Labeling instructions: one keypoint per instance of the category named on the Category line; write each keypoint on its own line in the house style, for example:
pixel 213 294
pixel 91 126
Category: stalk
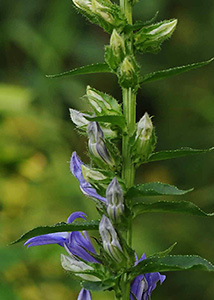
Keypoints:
pixel 128 171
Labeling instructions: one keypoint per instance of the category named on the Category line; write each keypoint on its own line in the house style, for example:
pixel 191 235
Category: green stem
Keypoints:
pixel 128 170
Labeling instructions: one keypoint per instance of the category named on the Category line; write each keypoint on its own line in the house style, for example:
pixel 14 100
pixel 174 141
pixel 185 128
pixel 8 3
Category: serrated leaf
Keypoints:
pixel 169 154
pixel 184 207
pixel 90 69
pixel 114 120
pixel 172 263
pixel 59 227
pixel 165 252
pixel 154 189
pixel 159 75
pixel 97 286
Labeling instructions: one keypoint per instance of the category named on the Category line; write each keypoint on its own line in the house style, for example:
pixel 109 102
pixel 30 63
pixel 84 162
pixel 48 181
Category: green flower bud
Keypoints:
pixel 102 11
pixel 128 72
pixel 102 103
pixel 115 53
pixel 117 44
pixel 150 38
pixel 145 139
pixel 84 5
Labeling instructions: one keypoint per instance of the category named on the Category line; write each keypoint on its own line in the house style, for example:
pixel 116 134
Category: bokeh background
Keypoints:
pixel 37 138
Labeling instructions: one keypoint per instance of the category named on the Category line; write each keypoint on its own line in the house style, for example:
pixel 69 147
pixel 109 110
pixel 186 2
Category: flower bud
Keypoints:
pixel 70 263
pixel 115 53
pixel 150 38
pixel 110 239
pixel 84 5
pixel 102 103
pixel 145 137
pixel 114 196
pixel 78 118
pixel 96 143
pixel 102 11
pixel 117 44
pixel 128 72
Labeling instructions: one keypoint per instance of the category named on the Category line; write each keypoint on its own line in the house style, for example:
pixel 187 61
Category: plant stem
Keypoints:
pixel 128 170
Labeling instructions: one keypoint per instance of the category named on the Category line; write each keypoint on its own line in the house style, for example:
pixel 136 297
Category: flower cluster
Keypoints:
pixel 82 260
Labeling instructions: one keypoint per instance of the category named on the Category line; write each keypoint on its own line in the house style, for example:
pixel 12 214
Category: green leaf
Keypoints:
pixel 97 286
pixel 114 120
pixel 169 154
pixel 165 252
pixel 139 24
pixel 154 189
pixel 159 75
pixel 59 227
pixel 184 207
pixel 94 68
pixel 172 263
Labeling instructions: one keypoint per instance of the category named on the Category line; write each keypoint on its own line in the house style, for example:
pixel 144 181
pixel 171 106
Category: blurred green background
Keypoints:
pixel 37 139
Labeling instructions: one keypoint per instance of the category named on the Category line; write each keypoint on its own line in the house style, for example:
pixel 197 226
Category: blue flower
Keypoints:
pixel 143 285
pixel 86 187
pixel 75 242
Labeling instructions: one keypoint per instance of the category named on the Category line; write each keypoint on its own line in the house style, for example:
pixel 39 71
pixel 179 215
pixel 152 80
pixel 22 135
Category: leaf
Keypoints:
pixel 159 75
pixel 94 68
pixel 169 154
pixel 59 227
pixel 114 120
pixel 184 207
pixel 139 24
pixel 97 286
pixel 172 263
pixel 165 252
pixel 154 189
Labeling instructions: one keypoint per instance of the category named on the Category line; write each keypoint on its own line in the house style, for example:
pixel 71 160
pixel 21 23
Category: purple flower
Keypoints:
pixel 84 295
pixel 75 242
pixel 86 187
pixel 143 285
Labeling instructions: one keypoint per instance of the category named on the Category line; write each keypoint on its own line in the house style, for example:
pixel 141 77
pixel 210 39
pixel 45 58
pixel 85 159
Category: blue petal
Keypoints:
pixel 84 295
pixel 51 238
pixel 76 215
pixel 77 243
pixel 151 278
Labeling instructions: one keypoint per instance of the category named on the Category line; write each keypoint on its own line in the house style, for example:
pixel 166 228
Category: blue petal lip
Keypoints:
pixel 86 187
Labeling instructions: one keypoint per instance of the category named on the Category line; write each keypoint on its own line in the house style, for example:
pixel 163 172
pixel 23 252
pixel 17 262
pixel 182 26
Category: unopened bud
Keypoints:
pixel 78 118
pixel 97 145
pixel 110 240
pixel 150 38
pixel 145 136
pixel 72 264
pixel 114 196
pixel 128 72
pixel 102 103
pixel 117 44
pixel 84 5
pixel 102 11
